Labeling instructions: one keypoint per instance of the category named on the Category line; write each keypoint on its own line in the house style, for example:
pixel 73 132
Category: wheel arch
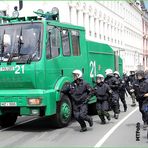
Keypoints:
pixel 59 85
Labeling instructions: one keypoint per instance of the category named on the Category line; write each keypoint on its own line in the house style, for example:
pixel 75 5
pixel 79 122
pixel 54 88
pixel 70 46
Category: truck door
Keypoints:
pixel 71 52
pixel 64 53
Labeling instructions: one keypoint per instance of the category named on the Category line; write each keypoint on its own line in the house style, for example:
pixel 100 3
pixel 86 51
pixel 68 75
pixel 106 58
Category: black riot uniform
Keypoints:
pixel 130 81
pixel 79 92
pixel 114 100
pixel 146 74
pixel 102 92
pixel 141 89
pixel 122 91
pixel 126 80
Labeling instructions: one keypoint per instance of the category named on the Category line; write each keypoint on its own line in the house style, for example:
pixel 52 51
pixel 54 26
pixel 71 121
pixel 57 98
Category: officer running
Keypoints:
pixel 79 92
pixel 146 74
pixel 141 92
pixel 102 92
pixel 114 85
pixel 131 80
pixel 122 90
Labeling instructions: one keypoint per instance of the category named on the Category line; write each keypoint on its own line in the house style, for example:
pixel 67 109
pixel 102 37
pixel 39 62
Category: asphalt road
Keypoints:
pixel 36 132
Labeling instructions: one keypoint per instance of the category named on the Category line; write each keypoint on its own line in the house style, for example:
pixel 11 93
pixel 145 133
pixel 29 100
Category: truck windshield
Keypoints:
pixel 20 42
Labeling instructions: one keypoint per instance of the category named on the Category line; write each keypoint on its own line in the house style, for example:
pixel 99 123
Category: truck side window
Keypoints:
pixel 75 42
pixel 53 44
pixel 65 42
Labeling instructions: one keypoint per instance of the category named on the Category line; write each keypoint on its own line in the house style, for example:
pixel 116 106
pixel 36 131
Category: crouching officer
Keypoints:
pixel 141 92
pixel 79 92
pixel 102 92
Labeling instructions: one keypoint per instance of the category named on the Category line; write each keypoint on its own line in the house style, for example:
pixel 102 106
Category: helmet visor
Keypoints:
pixel 100 79
pixel 116 75
pixel 139 76
pixel 75 76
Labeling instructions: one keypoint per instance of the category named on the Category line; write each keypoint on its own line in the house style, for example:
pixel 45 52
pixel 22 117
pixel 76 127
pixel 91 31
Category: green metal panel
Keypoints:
pixel 25 111
pixel 120 66
pixel 100 57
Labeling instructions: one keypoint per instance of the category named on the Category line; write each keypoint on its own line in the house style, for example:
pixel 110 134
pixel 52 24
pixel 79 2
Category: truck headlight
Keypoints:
pixel 34 101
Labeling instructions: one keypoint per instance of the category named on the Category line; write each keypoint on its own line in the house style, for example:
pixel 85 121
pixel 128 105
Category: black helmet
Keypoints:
pixel 132 72
pixel 140 73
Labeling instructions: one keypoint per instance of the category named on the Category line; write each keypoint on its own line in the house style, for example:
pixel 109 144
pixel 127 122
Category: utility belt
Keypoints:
pixel 102 98
pixel 79 97
pixel 79 101
pixel 144 107
pixel 114 102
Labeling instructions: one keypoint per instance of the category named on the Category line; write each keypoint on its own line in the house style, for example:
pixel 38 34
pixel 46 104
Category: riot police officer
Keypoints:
pixel 114 85
pixel 79 91
pixel 146 74
pixel 102 92
pixel 141 92
pixel 130 89
pixel 122 90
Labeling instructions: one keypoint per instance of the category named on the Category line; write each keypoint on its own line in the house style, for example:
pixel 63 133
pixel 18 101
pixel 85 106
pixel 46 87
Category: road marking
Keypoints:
pixel 18 124
pixel 106 136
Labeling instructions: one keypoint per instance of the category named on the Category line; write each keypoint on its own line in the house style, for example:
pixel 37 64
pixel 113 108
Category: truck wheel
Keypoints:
pixel 64 112
pixel 7 120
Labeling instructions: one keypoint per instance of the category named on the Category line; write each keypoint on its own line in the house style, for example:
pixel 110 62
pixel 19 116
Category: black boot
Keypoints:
pixel 90 122
pixel 102 119
pixel 133 104
pixel 83 129
pixel 145 125
pixel 107 115
pixel 125 108
pixel 116 116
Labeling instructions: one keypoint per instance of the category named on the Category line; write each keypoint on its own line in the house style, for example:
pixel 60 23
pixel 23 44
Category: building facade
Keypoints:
pixel 117 23
pixel 145 36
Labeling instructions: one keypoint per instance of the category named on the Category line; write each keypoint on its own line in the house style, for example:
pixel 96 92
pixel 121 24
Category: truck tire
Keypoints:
pixel 7 120
pixel 64 113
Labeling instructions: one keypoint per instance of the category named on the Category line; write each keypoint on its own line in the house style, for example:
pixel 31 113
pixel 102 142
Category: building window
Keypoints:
pixel 53 44
pixel 65 42
pixel 90 25
pixel 95 33
pixel 75 42
pixel 70 14
pixel 77 16
pixel 84 15
pixel 104 30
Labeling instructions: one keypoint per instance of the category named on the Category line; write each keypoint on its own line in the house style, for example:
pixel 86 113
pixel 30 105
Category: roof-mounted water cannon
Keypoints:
pixel 53 15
